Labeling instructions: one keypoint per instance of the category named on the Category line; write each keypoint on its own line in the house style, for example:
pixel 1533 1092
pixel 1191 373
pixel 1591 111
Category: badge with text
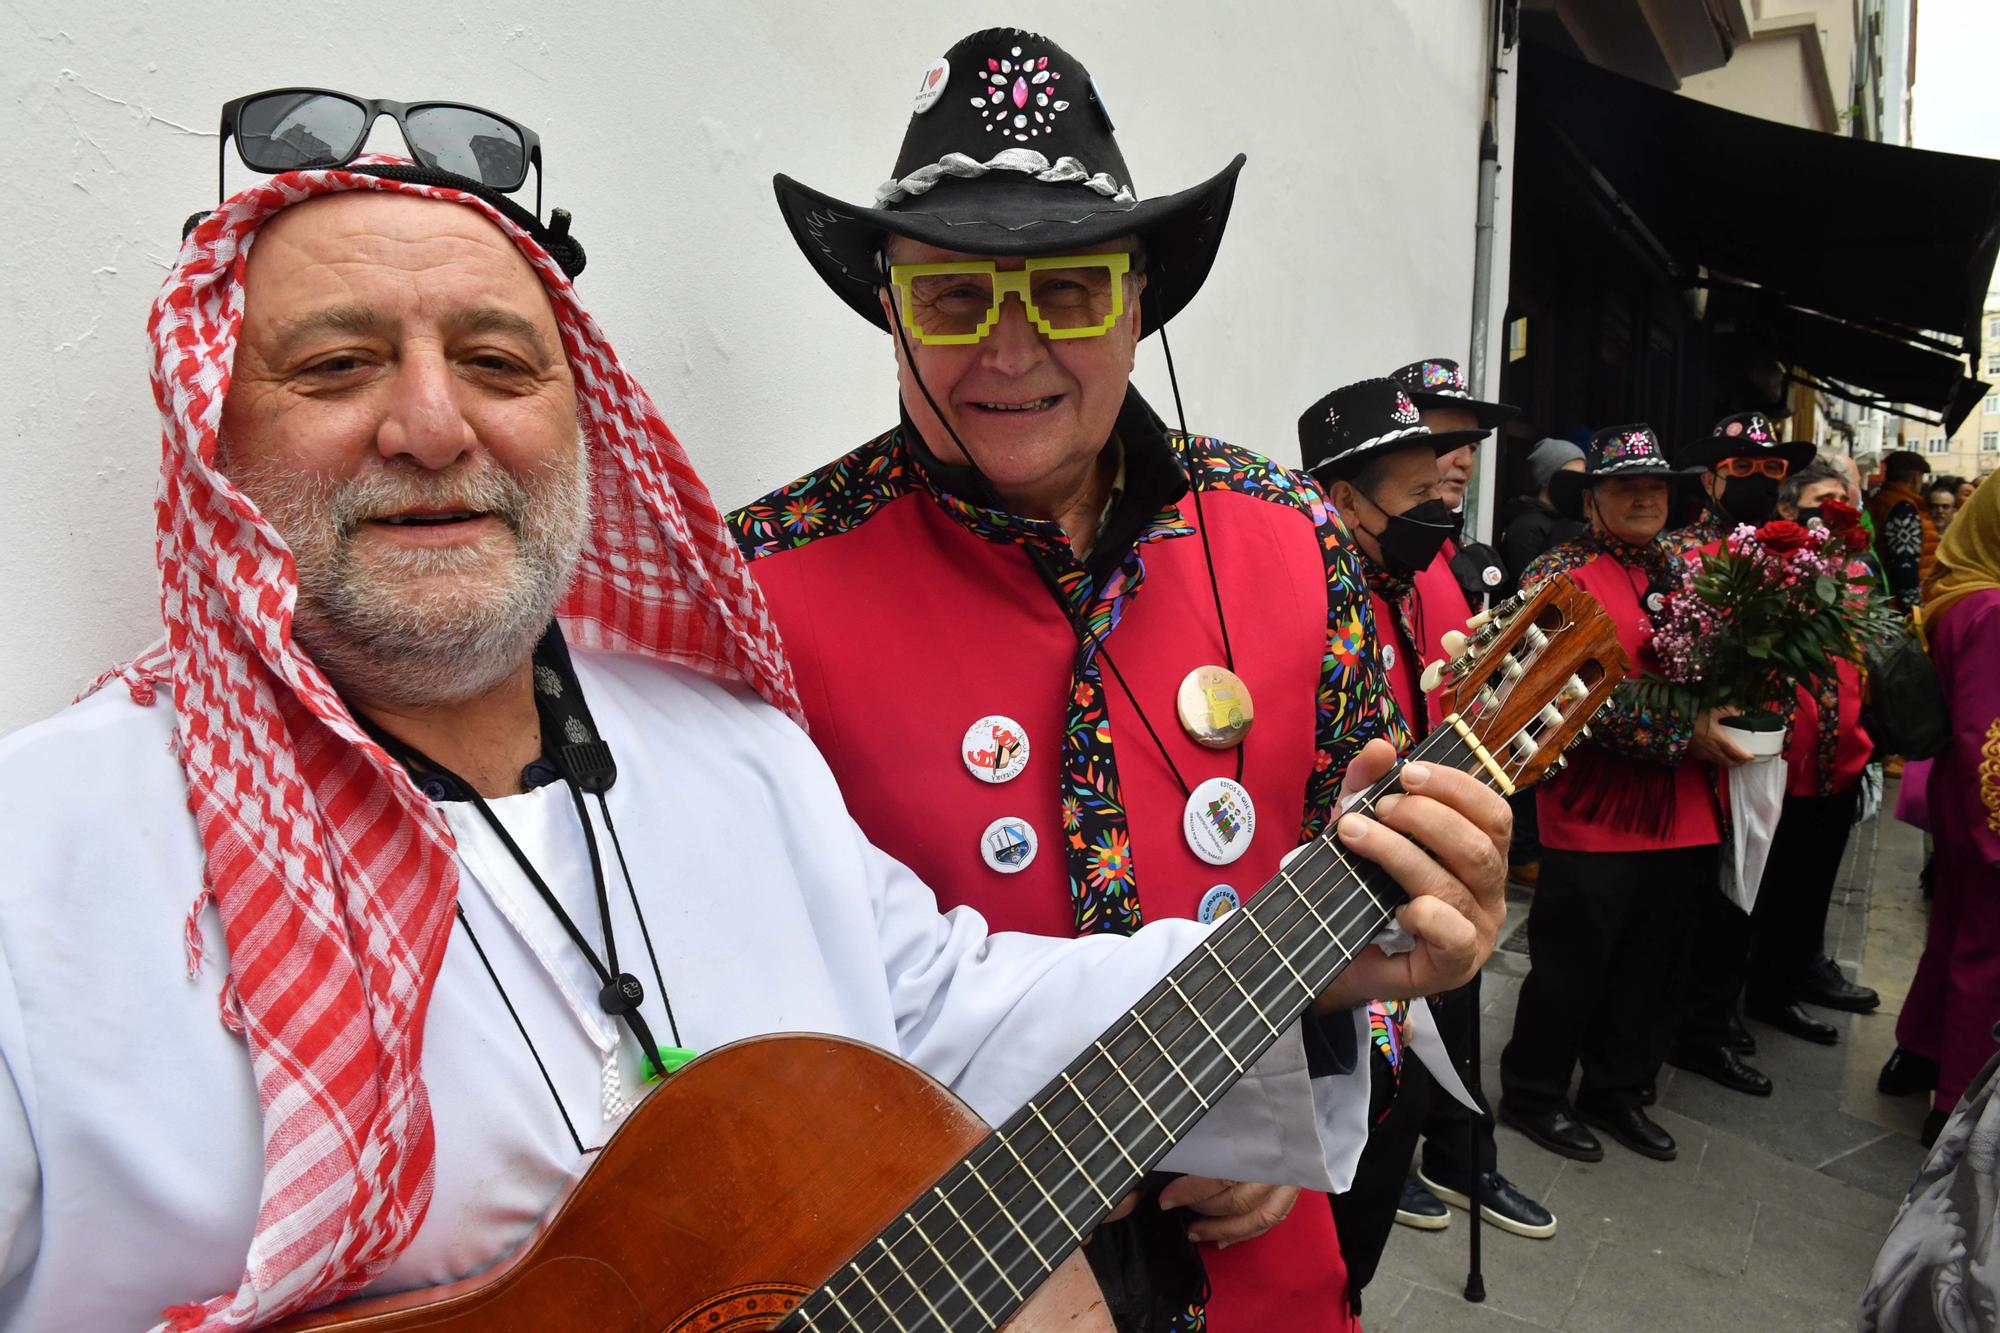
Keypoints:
pixel 995 748
pixel 932 86
pixel 1009 844
pixel 1214 707
pixel 1217 903
pixel 1219 821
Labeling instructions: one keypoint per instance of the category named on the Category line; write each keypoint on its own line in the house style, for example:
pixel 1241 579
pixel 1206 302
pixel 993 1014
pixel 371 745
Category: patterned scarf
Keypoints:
pixel 323 860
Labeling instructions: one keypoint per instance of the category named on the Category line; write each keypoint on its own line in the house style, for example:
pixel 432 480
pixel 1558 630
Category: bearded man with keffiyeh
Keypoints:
pixel 299 981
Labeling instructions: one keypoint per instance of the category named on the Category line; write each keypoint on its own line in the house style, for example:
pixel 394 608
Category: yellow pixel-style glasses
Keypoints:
pixel 958 301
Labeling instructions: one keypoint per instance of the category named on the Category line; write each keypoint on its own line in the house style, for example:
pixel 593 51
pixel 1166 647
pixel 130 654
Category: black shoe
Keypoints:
pixel 1556 1130
pixel 1633 1128
pixel 1906 1074
pixel 1737 1037
pixel 1790 1018
pixel 1649 1092
pixel 1723 1065
pixel 1933 1126
pixel 1825 984
pixel 1421 1209
pixel 1499 1203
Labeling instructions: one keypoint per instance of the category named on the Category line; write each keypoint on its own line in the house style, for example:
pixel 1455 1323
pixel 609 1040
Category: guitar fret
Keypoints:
pixel 945 1264
pixel 887 1308
pixel 1157 1045
pixel 1286 876
pixel 1304 985
pixel 1063 1144
pixel 1119 1070
pixel 1110 1138
pixel 1033 1249
pixel 952 1208
pixel 1036 1180
pixel 1248 998
pixel 917 1286
pixel 1200 1018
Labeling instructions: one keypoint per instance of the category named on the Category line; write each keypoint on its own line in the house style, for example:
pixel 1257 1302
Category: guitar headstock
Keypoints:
pixel 1527 681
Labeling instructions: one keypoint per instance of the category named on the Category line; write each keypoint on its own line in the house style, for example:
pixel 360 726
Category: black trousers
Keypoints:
pixel 1789 924
pixel 1606 938
pixel 1454 1138
pixel 1718 960
pixel 1364 1213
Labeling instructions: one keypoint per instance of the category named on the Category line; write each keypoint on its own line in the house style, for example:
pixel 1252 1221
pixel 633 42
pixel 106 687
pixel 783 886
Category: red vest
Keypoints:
pixel 1436 604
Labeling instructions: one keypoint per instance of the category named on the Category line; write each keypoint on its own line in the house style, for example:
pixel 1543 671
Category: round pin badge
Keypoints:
pixel 1388 657
pixel 1009 844
pixel 1214 707
pixel 1491 576
pixel 1217 903
pixel 995 748
pixel 932 86
pixel 1220 820
pixel 1656 602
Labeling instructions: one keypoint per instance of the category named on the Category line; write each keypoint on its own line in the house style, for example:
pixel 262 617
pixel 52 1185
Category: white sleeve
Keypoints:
pixel 997 1015
pixel 20 1168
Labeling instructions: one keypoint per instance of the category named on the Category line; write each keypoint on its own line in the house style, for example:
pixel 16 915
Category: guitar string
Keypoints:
pixel 1291 916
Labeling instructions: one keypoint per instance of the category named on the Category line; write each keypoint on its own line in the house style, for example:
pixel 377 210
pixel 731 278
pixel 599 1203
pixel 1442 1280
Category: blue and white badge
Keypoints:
pixel 1217 903
pixel 1009 844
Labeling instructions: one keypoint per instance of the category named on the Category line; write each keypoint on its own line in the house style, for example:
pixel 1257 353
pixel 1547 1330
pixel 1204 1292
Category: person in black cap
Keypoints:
pixel 1630 836
pixel 1438 387
pixel 1076 669
pixel 1367 446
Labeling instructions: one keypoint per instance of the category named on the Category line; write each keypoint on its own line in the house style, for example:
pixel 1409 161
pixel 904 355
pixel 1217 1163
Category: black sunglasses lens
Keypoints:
pixel 287 131
pixel 467 143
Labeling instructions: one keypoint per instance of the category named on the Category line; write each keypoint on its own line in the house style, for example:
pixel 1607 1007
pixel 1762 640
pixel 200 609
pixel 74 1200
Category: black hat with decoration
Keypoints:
pixel 1748 435
pixel 1615 451
pixel 1440 382
pixel 1010 152
pixel 1342 432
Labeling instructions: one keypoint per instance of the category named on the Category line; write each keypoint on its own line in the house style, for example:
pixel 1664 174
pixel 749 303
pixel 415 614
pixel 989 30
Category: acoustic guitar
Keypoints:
pixel 811 1184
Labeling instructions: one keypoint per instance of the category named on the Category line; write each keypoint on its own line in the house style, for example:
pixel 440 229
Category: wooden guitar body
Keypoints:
pixel 734 1189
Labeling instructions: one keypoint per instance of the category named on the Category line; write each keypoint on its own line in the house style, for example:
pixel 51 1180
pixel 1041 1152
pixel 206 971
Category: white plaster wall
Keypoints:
pixel 1350 250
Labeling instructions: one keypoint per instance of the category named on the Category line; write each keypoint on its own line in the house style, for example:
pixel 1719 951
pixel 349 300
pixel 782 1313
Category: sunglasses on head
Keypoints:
pixel 1774 468
pixel 291 129
pixel 958 301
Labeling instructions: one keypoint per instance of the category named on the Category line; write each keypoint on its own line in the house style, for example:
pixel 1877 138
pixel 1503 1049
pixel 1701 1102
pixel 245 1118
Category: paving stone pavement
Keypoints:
pixel 1773 1213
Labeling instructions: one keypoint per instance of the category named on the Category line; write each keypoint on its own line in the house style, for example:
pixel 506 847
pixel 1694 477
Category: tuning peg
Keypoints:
pixel 1584 734
pixel 1453 642
pixel 1480 618
pixel 1433 676
pixel 1558 764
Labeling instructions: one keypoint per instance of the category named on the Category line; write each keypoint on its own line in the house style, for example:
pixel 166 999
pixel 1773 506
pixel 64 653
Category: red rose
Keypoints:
pixel 1839 515
pixel 1782 537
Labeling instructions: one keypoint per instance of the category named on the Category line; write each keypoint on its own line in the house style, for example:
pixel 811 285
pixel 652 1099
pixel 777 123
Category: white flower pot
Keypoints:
pixel 1760 743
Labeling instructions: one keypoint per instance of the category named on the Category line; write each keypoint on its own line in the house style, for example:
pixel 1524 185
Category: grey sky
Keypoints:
pixel 1956 104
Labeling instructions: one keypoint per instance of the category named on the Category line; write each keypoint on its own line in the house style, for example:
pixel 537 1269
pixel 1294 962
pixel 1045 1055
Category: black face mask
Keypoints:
pixel 1749 499
pixel 1411 540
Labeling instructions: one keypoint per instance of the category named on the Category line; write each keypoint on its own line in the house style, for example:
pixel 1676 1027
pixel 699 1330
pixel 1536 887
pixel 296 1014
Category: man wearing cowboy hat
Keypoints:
pixel 1367 446
pixel 1629 836
pixel 1438 387
pixel 1073 668
pixel 1743 466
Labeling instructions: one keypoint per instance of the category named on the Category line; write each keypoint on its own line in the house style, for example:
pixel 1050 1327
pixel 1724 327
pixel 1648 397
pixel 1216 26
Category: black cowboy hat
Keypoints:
pixel 1748 435
pixel 1343 430
pixel 1615 451
pixel 1439 382
pixel 1010 152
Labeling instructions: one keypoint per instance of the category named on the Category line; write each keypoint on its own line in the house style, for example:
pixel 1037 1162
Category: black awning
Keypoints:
pixel 1904 241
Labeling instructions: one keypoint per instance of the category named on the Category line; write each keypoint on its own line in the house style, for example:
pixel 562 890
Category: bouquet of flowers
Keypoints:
pixel 1778 607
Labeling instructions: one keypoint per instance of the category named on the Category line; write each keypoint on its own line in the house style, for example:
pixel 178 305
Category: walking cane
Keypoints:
pixel 1475 1281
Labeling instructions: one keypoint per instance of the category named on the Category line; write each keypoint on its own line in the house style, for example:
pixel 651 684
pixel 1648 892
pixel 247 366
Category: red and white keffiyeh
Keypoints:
pixel 334 877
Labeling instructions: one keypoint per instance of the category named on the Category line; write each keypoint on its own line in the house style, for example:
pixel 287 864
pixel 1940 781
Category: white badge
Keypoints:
pixel 1217 903
pixel 1388 657
pixel 1009 844
pixel 932 87
pixel 995 748
pixel 1219 821
pixel 1491 576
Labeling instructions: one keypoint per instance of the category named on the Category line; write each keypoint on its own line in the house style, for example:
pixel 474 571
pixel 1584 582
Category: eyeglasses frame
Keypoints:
pixel 374 108
pixel 1015 280
pixel 1753 466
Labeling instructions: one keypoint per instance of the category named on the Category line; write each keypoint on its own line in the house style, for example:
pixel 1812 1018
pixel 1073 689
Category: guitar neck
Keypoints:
pixel 970 1250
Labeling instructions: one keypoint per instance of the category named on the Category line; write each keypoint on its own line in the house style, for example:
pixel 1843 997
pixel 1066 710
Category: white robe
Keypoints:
pixel 130 1144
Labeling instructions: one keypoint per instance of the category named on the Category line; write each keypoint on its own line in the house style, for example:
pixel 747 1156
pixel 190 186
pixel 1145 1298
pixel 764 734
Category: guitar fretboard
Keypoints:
pixel 970 1250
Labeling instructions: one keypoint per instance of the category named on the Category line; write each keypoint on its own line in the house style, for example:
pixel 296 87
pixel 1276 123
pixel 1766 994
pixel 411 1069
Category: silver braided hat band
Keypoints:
pixel 1062 171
